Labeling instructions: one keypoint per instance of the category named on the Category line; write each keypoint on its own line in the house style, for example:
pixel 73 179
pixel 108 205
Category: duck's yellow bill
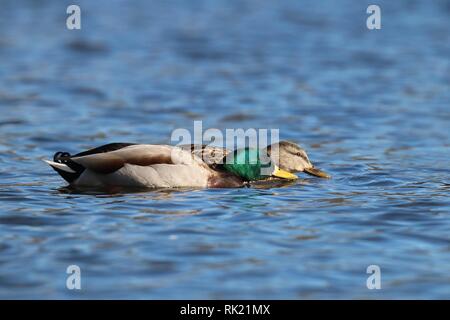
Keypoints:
pixel 283 174
pixel 316 172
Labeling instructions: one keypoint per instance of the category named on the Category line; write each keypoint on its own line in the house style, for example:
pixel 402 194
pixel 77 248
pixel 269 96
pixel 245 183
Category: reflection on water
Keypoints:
pixel 370 107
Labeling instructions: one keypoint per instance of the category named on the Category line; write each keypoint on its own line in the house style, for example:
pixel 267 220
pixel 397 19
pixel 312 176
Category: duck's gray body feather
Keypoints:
pixel 141 165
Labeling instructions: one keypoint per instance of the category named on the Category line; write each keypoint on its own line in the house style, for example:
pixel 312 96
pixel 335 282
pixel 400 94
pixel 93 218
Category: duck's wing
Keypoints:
pixel 211 155
pixel 105 148
pixel 139 155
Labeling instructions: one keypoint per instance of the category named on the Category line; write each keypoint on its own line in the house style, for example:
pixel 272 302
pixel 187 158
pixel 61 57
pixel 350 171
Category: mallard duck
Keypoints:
pixel 159 166
pixel 289 156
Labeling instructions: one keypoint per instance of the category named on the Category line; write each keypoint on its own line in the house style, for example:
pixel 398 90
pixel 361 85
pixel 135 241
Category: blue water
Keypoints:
pixel 371 107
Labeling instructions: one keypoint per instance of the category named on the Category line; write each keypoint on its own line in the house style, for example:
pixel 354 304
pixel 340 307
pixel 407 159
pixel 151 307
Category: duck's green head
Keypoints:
pixel 247 163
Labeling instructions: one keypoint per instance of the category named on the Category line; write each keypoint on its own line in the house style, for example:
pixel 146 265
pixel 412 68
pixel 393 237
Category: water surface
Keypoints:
pixel 370 107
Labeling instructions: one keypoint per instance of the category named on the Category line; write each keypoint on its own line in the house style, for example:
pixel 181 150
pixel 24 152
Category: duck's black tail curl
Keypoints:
pixel 61 157
pixel 64 158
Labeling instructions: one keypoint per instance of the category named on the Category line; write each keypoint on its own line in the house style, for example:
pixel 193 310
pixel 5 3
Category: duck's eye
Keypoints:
pixel 299 154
